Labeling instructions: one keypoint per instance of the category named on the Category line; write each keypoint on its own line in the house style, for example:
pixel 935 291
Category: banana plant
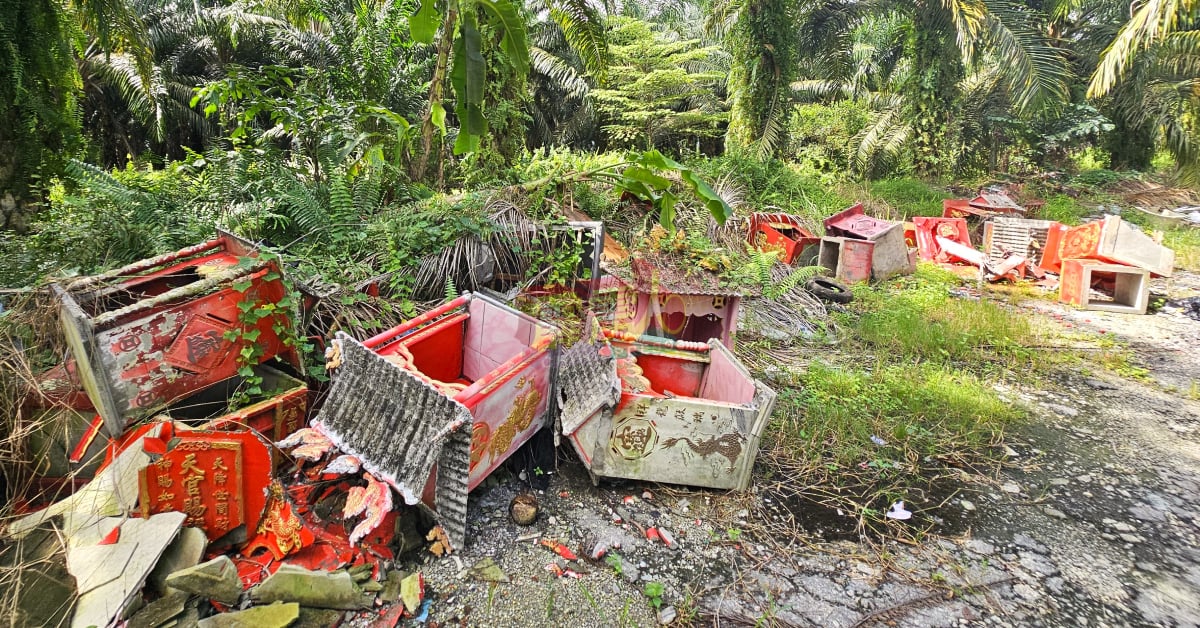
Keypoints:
pixel 460 56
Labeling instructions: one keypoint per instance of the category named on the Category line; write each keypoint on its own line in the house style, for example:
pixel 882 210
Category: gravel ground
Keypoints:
pixel 1094 523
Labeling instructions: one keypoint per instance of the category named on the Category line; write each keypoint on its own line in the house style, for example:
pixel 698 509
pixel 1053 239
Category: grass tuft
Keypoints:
pixel 910 197
pixel 1064 209
pixel 916 319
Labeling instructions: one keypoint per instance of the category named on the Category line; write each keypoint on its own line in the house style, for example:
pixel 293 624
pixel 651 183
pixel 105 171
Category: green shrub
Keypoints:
pixel 821 135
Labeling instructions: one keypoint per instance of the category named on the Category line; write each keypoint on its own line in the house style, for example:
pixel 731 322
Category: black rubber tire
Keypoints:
pixel 829 290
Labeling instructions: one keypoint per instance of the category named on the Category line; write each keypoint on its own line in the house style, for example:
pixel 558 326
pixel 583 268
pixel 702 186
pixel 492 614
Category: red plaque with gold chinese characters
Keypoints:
pixel 216 478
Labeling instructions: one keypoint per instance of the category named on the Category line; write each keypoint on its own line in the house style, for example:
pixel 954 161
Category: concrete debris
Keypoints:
pixel 216 579
pixel 109 577
pixel 319 589
pixel 279 615
pixel 186 551
pixel 412 592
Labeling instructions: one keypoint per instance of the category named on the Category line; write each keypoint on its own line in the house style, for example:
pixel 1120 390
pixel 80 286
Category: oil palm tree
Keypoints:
pixel 948 40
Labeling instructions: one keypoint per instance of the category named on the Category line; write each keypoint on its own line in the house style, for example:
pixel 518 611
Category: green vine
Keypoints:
pixel 252 309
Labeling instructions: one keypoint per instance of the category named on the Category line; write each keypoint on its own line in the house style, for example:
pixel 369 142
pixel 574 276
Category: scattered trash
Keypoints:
pixel 878 441
pixel 560 549
pixel 1189 307
pixel 898 512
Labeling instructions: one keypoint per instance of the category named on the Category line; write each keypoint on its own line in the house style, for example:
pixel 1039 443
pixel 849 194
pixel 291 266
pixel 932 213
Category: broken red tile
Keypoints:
pixel 390 617
pixel 652 534
pixel 560 549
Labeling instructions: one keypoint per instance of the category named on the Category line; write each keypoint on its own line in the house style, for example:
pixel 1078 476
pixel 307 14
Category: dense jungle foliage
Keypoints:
pixel 360 136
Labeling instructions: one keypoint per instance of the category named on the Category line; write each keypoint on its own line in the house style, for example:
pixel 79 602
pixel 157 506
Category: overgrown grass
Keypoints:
pixel 918 410
pixel 916 319
pixel 907 402
pixel 910 197
pixel 1185 241
pixel 1064 209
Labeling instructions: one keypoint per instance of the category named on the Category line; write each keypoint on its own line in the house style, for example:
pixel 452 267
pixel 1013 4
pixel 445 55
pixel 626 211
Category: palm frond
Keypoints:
pixel 1150 23
pixel 722 16
pixel 559 73
pixel 1037 72
pixel 583 27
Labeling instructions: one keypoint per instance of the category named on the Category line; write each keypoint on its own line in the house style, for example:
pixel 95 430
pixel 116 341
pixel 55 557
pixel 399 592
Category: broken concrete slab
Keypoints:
pixel 109 576
pixel 318 589
pixel 41 590
pixel 160 611
pixel 113 492
pixel 391 586
pixel 216 579
pixel 1115 241
pixel 277 615
pixel 412 592
pixel 318 617
pixel 186 551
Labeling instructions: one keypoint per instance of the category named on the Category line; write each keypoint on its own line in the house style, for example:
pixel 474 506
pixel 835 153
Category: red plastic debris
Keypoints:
pixel 154 446
pixel 652 534
pixel 389 618
pixel 560 549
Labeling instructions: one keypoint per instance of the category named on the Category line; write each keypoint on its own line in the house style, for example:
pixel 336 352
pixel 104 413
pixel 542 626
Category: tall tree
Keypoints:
pixel 761 35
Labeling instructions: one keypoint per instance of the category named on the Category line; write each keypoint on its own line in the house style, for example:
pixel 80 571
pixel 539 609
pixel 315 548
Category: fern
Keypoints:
pixel 451 290
pixel 341 206
pixel 795 278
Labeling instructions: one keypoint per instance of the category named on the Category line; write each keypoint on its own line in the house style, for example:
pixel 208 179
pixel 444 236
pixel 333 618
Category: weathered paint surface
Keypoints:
pixel 690 317
pixel 782 232
pixel 217 479
pixel 708 438
pixel 140 343
pixel 496 361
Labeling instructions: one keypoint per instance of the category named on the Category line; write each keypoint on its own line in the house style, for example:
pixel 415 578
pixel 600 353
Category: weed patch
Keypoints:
pixel 1185 241
pixel 916 319
pixel 910 197
pixel 851 442
pixel 1064 209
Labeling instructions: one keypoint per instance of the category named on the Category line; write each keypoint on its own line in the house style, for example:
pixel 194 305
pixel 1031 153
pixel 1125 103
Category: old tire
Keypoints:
pixel 829 290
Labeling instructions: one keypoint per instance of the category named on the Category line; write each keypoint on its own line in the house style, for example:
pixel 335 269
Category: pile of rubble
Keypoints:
pixel 192 468
pixel 197 474
pixel 1100 265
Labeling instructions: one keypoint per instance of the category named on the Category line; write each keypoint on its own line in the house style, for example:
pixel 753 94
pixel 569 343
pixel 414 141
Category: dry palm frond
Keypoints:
pixel 469 264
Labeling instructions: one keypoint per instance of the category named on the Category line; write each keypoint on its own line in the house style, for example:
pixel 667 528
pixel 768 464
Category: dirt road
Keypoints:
pixel 1094 522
